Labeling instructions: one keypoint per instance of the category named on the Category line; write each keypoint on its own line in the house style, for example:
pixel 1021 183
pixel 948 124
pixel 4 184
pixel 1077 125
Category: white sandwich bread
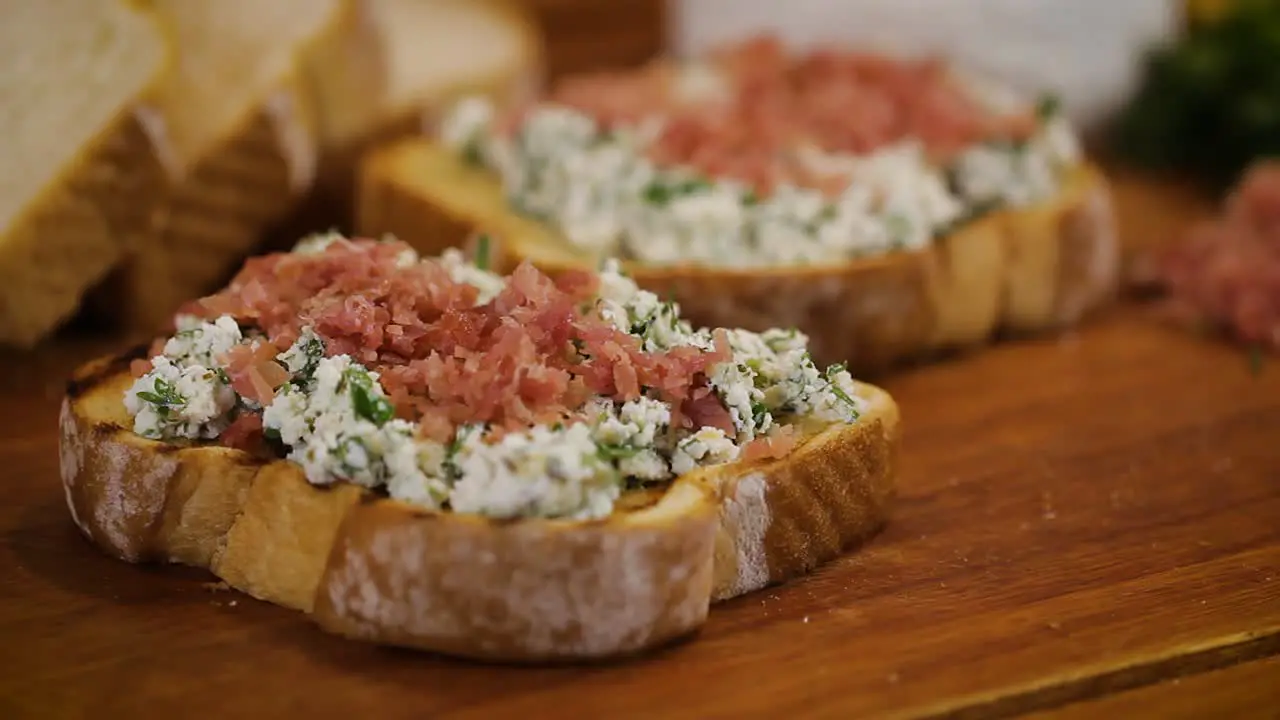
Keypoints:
pixel 79 180
pixel 234 127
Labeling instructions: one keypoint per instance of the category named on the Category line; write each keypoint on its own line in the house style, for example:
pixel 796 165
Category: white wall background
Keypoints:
pixel 1086 50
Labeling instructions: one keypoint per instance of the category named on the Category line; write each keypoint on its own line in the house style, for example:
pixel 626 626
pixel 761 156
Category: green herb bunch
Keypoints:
pixel 1209 104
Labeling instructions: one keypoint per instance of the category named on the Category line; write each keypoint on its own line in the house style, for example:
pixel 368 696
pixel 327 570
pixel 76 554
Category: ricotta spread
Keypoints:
pixel 334 419
pixel 599 188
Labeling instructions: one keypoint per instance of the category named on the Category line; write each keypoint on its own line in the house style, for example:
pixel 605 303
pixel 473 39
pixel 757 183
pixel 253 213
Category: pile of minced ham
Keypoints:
pixel 1227 270
pixel 752 102
pixel 453 387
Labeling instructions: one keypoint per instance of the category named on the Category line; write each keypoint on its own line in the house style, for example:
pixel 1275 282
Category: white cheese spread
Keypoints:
pixel 333 418
pixel 601 191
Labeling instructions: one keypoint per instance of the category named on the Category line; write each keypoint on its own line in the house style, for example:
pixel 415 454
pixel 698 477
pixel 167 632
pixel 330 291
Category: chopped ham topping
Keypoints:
pixel 529 356
pixel 254 372
pixel 778 443
pixel 1228 270
pixel 244 433
pixel 839 101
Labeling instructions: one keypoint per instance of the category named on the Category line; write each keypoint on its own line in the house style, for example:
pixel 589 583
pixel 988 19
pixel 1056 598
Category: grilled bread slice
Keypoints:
pixel 1025 270
pixel 79 181
pixel 526 590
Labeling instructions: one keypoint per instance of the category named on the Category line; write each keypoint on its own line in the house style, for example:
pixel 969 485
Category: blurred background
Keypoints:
pixel 273 114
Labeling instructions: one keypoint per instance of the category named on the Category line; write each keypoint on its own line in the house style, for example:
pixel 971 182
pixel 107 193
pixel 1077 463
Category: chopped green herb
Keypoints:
pixel 750 198
pixel 612 452
pixel 471 153
pixel 1048 106
pixel 164 396
pixel 658 193
pixel 759 414
pixel 312 351
pixel 838 391
pixel 367 402
pixel 482 258
pixel 450 464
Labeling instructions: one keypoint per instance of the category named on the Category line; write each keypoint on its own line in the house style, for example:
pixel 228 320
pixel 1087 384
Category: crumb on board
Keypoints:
pixel 218 586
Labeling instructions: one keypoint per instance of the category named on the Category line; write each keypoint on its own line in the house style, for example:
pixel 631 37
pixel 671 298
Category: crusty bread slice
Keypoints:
pixel 236 130
pixel 396 59
pixel 525 590
pixel 1024 270
pixel 78 181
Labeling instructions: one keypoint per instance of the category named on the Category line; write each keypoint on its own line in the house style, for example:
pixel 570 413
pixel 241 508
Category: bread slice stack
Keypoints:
pixel 78 180
pixel 153 143
pixel 234 129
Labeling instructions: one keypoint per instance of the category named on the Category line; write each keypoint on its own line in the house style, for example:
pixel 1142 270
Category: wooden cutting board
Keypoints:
pixel 1087 526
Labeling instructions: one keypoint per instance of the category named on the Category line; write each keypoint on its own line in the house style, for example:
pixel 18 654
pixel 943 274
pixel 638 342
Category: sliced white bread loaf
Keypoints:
pixel 77 181
pixel 234 128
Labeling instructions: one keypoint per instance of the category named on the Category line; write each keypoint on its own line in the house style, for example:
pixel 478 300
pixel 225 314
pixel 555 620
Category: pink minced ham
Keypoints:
pixel 254 372
pixel 244 433
pixel 529 356
pixel 1228 270
pixel 839 101
pixel 778 443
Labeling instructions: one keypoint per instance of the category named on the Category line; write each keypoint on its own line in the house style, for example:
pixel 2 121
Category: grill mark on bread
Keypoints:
pixel 108 429
pixel 92 375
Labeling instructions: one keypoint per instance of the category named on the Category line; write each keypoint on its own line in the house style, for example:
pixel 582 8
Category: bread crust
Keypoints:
pixel 527 590
pixel 69 240
pixel 1021 270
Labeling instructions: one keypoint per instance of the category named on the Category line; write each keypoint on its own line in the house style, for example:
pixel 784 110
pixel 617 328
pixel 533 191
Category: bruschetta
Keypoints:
pixel 890 208
pixel 424 453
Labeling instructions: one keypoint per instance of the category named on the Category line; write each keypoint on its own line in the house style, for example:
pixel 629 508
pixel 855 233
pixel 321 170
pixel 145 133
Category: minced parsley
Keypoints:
pixel 164 396
pixel 368 403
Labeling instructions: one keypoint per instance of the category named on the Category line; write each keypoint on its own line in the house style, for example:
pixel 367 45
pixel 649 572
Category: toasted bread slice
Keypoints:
pixel 236 129
pixel 79 181
pixel 1025 270
pixel 525 590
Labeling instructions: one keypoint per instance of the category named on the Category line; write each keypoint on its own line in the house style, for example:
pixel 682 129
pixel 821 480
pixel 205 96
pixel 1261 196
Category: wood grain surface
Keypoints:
pixel 1088 526
pixel 1251 689
pixel 1079 516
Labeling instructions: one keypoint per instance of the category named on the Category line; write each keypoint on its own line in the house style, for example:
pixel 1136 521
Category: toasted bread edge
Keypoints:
pixel 1024 270
pixel 528 590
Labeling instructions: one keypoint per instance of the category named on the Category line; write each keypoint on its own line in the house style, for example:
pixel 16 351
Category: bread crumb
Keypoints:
pixel 215 586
